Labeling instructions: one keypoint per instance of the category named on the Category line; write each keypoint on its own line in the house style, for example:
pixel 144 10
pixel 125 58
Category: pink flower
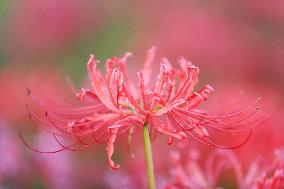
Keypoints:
pixel 114 105
pixel 199 31
pixel 13 165
pixel 274 182
pixel 265 174
pixel 193 175
pixel 56 169
pixel 226 43
pixel 55 25
pixel 14 80
pixel 190 174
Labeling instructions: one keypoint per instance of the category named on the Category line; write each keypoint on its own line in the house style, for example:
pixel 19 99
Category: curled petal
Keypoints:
pixel 201 131
pixel 147 69
pixel 161 79
pixel 142 90
pixel 170 140
pixel 85 92
pixel 197 97
pixel 110 149
pixel 189 82
pixel 99 84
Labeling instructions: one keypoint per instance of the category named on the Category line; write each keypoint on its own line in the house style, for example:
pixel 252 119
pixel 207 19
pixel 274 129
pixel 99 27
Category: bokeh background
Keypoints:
pixel 238 45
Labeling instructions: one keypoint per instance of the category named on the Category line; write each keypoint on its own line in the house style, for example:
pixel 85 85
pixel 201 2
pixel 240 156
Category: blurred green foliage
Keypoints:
pixel 107 42
pixel 3 10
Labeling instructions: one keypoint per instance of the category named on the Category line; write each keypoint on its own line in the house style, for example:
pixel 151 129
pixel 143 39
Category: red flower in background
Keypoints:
pixel 262 174
pixel 12 163
pixel 193 175
pixel 274 182
pixel 50 26
pixel 114 105
pixel 58 169
pixel 244 45
pixel 14 79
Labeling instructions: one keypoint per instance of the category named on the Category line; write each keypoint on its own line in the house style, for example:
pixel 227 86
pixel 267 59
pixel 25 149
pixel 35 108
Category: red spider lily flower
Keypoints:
pixel 114 105
pixel 275 182
pixel 192 175
pixel 265 174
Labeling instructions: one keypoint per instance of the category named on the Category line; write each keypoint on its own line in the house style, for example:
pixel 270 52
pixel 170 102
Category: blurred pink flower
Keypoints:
pixel 243 44
pixel 273 9
pixel 14 80
pixel 11 103
pixel 191 175
pixel 274 182
pixel 204 34
pixel 264 173
pixel 114 106
pixel 12 162
pixel 49 26
pixel 57 169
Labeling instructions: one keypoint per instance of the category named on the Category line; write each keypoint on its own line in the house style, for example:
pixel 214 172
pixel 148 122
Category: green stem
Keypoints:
pixel 148 157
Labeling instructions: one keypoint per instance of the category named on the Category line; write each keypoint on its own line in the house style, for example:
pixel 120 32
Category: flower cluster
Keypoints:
pixel 192 175
pixel 115 105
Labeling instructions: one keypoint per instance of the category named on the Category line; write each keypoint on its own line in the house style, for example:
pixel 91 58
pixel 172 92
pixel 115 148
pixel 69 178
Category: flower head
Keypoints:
pixel 114 105
pixel 260 174
pixel 192 175
pixel 263 174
